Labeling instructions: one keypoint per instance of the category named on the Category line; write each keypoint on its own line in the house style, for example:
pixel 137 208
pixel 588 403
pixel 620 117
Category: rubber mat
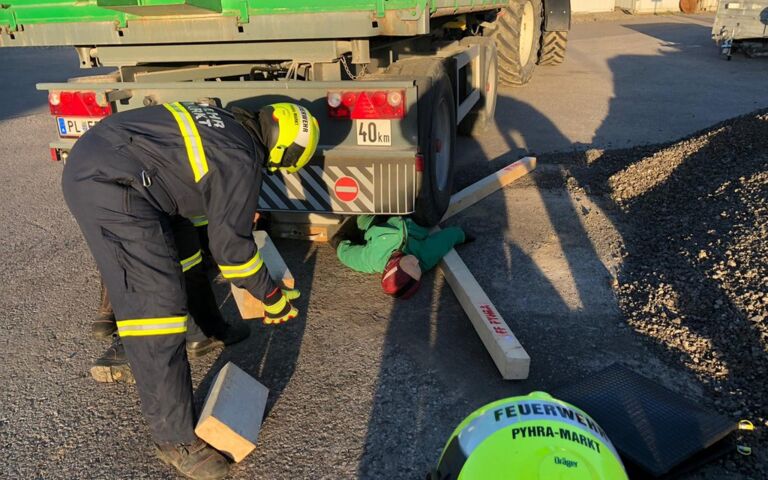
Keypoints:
pixel 653 428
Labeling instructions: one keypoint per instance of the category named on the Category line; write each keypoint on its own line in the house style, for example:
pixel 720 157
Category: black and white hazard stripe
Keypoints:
pixel 381 188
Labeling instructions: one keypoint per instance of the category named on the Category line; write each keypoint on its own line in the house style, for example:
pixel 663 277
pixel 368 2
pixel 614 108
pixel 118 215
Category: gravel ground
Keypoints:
pixel 694 279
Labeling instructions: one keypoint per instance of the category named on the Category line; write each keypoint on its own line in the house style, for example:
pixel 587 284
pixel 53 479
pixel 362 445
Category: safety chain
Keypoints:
pixel 344 64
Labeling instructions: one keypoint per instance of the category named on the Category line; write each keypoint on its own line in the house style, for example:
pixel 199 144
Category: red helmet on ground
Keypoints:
pixel 402 276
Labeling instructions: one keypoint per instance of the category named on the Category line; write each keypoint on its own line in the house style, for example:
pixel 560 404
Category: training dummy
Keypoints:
pixel 398 248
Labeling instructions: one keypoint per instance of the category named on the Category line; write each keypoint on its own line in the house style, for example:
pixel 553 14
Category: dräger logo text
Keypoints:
pixel 565 462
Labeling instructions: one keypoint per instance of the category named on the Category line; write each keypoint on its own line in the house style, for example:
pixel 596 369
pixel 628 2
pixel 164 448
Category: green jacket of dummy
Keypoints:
pixel 383 236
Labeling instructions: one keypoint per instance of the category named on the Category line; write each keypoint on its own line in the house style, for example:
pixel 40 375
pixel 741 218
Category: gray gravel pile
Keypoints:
pixel 694 280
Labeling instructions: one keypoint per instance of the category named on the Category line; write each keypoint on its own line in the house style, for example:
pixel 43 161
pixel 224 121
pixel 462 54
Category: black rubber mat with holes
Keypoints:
pixel 652 427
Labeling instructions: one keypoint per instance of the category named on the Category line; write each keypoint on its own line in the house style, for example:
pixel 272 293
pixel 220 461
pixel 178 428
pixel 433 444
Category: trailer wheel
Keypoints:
pixel 553 48
pixel 482 116
pixel 437 135
pixel 517 32
pixel 438 152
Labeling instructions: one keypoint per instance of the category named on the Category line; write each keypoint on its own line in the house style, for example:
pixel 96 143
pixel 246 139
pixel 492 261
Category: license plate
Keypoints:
pixel 374 132
pixel 75 126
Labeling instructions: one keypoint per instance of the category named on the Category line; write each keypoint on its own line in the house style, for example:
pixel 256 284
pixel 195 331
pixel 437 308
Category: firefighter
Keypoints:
pixel 124 181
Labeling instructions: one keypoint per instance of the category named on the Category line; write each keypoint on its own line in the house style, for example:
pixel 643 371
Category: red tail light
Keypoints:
pixel 79 104
pixel 367 105
pixel 420 163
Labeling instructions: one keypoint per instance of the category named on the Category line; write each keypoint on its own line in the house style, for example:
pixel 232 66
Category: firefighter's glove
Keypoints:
pixel 278 308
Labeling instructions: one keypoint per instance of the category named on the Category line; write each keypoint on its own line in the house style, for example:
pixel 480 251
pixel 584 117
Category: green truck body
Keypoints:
pixel 50 22
pixel 120 11
pixel 438 58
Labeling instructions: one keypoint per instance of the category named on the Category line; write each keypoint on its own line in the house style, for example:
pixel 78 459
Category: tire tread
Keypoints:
pixel 505 31
pixel 553 46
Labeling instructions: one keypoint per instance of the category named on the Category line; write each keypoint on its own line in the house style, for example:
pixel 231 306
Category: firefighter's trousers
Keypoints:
pixel 135 250
pixel 201 302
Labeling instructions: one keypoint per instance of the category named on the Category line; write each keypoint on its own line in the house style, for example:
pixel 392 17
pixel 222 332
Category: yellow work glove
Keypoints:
pixel 278 308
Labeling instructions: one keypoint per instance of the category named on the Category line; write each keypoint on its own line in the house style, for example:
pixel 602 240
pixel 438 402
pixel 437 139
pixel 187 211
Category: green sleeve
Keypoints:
pixel 356 257
pixel 432 249
pixel 364 221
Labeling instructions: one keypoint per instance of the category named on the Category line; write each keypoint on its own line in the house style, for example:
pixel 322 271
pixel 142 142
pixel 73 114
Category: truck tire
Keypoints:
pixel 517 33
pixel 437 135
pixel 483 114
pixel 553 48
pixel 438 152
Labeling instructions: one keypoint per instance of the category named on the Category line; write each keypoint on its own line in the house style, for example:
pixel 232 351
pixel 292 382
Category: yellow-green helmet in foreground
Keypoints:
pixel 296 141
pixel 533 437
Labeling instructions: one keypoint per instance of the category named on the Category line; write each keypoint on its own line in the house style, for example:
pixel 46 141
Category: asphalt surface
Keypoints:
pixel 629 81
pixel 363 386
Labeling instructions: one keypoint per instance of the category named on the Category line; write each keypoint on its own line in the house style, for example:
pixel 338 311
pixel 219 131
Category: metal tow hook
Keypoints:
pixel 146 180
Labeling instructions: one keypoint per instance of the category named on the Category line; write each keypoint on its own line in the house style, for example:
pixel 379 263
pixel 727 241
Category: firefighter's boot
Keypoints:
pixel 229 335
pixel 198 460
pixel 104 324
pixel 112 366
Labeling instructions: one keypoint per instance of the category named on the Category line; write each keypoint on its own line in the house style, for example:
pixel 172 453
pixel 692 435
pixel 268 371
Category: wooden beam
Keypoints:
pixel 506 351
pixel 249 306
pixel 234 408
pixel 479 190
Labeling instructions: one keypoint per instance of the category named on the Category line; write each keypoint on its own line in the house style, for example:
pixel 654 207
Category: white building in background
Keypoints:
pixel 635 6
pixel 592 6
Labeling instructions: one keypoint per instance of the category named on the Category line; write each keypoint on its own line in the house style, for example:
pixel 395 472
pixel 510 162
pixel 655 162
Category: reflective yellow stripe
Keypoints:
pixel 200 221
pixel 190 262
pixel 157 331
pixel 141 327
pixel 278 307
pixel 245 270
pixel 195 152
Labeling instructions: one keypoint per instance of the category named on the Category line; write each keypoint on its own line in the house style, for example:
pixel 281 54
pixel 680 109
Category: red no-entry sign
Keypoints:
pixel 346 189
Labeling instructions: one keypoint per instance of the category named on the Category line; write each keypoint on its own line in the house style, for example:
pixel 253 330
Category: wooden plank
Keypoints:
pixel 301 231
pixel 506 351
pixel 234 408
pixel 249 306
pixel 313 227
pixel 479 190
pixel 306 218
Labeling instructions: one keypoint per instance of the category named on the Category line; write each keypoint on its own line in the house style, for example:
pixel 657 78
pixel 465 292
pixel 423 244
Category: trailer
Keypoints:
pixel 742 26
pixel 391 82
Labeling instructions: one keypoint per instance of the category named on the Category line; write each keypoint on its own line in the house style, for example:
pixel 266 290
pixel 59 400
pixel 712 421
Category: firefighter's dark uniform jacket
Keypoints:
pixel 124 181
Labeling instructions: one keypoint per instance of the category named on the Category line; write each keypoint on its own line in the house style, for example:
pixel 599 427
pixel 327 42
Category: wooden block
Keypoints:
pixel 314 227
pixel 305 218
pixel 272 259
pixel 301 231
pixel 509 356
pixel 234 408
pixel 479 190
pixel 249 306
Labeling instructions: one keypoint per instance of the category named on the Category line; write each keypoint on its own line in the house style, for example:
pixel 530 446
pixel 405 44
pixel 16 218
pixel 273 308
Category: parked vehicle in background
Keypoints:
pixel 742 26
pixel 391 81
